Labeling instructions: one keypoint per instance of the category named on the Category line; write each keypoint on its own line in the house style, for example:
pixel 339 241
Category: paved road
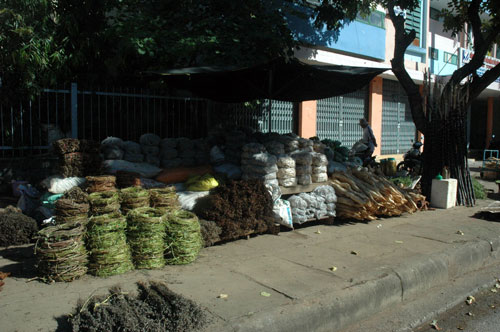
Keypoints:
pixel 483 315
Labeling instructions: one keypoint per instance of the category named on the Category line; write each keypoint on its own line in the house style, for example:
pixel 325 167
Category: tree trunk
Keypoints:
pixel 445 142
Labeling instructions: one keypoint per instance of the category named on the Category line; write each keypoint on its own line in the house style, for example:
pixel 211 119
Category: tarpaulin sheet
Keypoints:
pixel 287 80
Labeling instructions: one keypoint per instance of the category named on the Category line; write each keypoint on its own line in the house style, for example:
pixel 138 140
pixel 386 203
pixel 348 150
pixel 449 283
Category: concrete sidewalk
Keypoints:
pixel 379 265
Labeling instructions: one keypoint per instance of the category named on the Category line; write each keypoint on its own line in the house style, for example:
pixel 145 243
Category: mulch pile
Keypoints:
pixel 155 308
pixel 101 183
pixel 60 251
pixel 241 208
pixel 15 227
pixel 77 157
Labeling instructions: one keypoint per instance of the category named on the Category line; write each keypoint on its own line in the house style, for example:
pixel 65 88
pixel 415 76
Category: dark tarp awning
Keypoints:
pixel 290 80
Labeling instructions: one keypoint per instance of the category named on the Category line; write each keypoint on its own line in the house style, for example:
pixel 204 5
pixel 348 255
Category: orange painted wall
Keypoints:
pixel 375 111
pixel 489 121
pixel 307 118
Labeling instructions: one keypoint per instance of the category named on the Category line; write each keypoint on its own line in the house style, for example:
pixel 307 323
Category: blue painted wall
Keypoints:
pixel 440 67
pixel 357 38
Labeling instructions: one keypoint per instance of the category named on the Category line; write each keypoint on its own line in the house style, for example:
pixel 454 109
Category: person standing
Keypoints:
pixel 368 139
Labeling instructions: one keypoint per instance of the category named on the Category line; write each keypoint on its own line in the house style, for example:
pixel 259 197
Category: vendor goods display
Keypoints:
pixel 241 208
pixel 234 142
pixel 313 206
pixel 275 148
pixel 112 148
pixel 70 211
pixel 164 199
pixel 104 202
pixel 15 227
pixel 210 232
pixel 363 195
pixel 77 158
pixel 132 152
pixel 126 179
pixel 169 155
pixel 146 237
pixel 305 144
pixel 109 253
pixel 60 252
pixel 258 164
pixel 150 147
pixel 183 239
pixel 155 308
pixel 286 171
pixel 290 142
pixel 319 168
pixel 101 183
pixel 133 198
pixel 303 167
pixel 201 183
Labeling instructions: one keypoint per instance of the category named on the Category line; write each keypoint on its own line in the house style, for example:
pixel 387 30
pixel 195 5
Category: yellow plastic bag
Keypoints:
pixel 203 183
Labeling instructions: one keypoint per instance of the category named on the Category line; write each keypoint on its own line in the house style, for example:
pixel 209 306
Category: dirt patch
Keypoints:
pixel 156 308
pixel 241 208
pixel 15 227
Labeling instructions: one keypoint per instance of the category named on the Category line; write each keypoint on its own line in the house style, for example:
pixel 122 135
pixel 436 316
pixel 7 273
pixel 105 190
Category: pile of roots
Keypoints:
pixel 126 179
pixel 241 208
pixel 60 252
pixel 101 183
pixel 164 199
pixel 107 245
pixel 133 198
pixel 77 157
pixel 15 227
pixel 146 237
pixel 71 211
pixel 183 237
pixel 363 195
pixel 155 308
pixel 210 232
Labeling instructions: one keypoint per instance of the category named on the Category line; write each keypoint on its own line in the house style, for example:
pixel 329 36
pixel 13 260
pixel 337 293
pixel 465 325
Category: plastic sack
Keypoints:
pixel 327 192
pixel 319 159
pixel 60 185
pixel 256 176
pixel 304 179
pixel 232 171
pixel 168 153
pixel 285 173
pixel 170 163
pixel 216 155
pixel 297 202
pixel 285 162
pixel 152 150
pixel 168 143
pixel 259 170
pixel 133 157
pixel 131 147
pixel 319 169
pixel 49 200
pixel 254 148
pixel 201 183
pixel 185 144
pixel 152 159
pixel 29 199
pixel 150 184
pixel 144 169
pixel 113 141
pixel 189 199
pixel 318 178
pixel 302 158
pixel 273 182
pixel 112 152
pixel 262 159
pixel 287 182
pixel 334 166
pixel 303 170
pixel 275 148
pixel 274 190
pixel 283 213
pixel 150 139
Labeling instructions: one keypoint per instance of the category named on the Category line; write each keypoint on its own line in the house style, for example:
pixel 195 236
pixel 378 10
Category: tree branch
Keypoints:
pixel 481 83
pixel 403 39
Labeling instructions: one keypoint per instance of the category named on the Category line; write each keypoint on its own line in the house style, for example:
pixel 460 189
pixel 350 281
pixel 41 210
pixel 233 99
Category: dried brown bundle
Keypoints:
pixel 126 179
pixel 68 145
pixel 68 207
pixel 241 208
pixel 101 183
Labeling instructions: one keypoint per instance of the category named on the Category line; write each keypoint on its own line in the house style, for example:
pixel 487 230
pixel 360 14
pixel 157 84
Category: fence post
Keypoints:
pixel 74 110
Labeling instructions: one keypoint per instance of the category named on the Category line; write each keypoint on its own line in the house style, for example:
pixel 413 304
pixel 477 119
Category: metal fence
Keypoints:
pixel 338 117
pixel 398 129
pixel 30 127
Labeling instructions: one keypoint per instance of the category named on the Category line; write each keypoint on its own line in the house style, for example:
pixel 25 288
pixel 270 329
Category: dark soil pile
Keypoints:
pixel 210 232
pixel 156 308
pixel 241 208
pixel 15 227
